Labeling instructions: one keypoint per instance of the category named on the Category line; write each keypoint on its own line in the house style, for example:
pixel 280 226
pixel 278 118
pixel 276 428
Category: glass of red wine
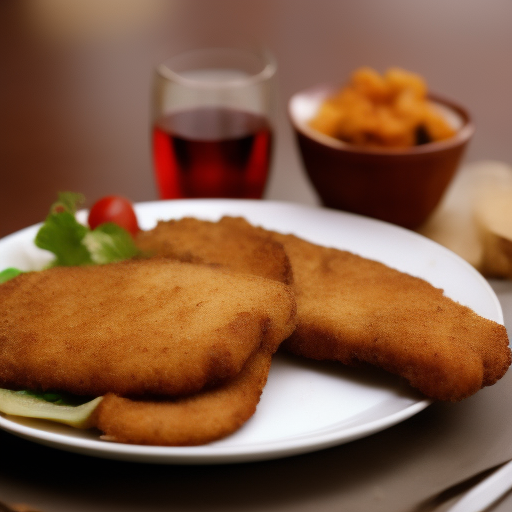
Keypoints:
pixel 212 123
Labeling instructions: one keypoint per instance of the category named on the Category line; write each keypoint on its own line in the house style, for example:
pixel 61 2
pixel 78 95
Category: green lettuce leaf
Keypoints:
pixel 67 202
pixel 108 243
pixel 9 273
pixel 29 405
pixel 57 398
pixel 62 235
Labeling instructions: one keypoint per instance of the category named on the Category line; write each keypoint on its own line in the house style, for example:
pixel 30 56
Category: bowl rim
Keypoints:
pixel 324 89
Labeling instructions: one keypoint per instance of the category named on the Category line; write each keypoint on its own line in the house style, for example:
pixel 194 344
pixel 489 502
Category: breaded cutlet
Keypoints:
pixel 357 311
pixel 231 242
pixel 152 326
pixel 188 421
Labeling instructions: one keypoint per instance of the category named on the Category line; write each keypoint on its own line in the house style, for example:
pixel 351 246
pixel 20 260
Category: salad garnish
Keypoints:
pixel 31 405
pixel 73 243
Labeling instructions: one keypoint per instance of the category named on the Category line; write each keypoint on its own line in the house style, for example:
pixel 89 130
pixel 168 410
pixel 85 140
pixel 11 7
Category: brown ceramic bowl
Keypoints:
pixel 401 186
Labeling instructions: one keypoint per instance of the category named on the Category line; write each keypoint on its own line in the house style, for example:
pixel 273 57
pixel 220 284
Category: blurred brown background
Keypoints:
pixel 75 79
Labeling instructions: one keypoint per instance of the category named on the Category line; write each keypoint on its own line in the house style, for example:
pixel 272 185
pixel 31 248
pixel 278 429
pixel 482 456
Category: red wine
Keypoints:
pixel 212 152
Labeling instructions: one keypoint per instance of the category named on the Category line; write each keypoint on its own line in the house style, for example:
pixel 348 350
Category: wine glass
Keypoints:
pixel 212 123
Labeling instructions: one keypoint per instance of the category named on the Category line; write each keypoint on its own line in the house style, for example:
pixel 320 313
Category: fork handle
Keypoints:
pixel 487 492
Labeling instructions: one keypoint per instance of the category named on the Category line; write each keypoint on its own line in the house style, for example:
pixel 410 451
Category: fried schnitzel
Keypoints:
pixel 359 311
pixel 355 310
pixel 153 326
pixel 231 242
pixel 199 419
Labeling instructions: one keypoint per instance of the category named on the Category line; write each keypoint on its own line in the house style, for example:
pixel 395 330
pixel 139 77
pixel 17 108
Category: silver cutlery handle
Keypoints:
pixel 486 492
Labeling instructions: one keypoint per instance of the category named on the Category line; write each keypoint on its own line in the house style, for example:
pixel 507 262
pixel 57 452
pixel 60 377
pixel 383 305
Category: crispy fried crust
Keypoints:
pixel 355 310
pixel 231 242
pixel 194 420
pixel 149 326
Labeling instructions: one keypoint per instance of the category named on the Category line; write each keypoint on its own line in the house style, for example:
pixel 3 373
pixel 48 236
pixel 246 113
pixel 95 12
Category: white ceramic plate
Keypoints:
pixel 306 405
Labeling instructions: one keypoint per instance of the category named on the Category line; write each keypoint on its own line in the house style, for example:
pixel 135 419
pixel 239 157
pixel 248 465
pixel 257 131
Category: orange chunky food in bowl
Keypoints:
pixel 381 146
pixel 390 110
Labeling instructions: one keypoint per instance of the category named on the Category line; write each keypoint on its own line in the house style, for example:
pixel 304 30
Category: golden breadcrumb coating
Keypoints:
pixel 356 310
pixel 153 326
pixel 199 419
pixel 231 242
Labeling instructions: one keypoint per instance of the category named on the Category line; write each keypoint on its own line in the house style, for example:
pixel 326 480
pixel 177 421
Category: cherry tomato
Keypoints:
pixel 115 209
